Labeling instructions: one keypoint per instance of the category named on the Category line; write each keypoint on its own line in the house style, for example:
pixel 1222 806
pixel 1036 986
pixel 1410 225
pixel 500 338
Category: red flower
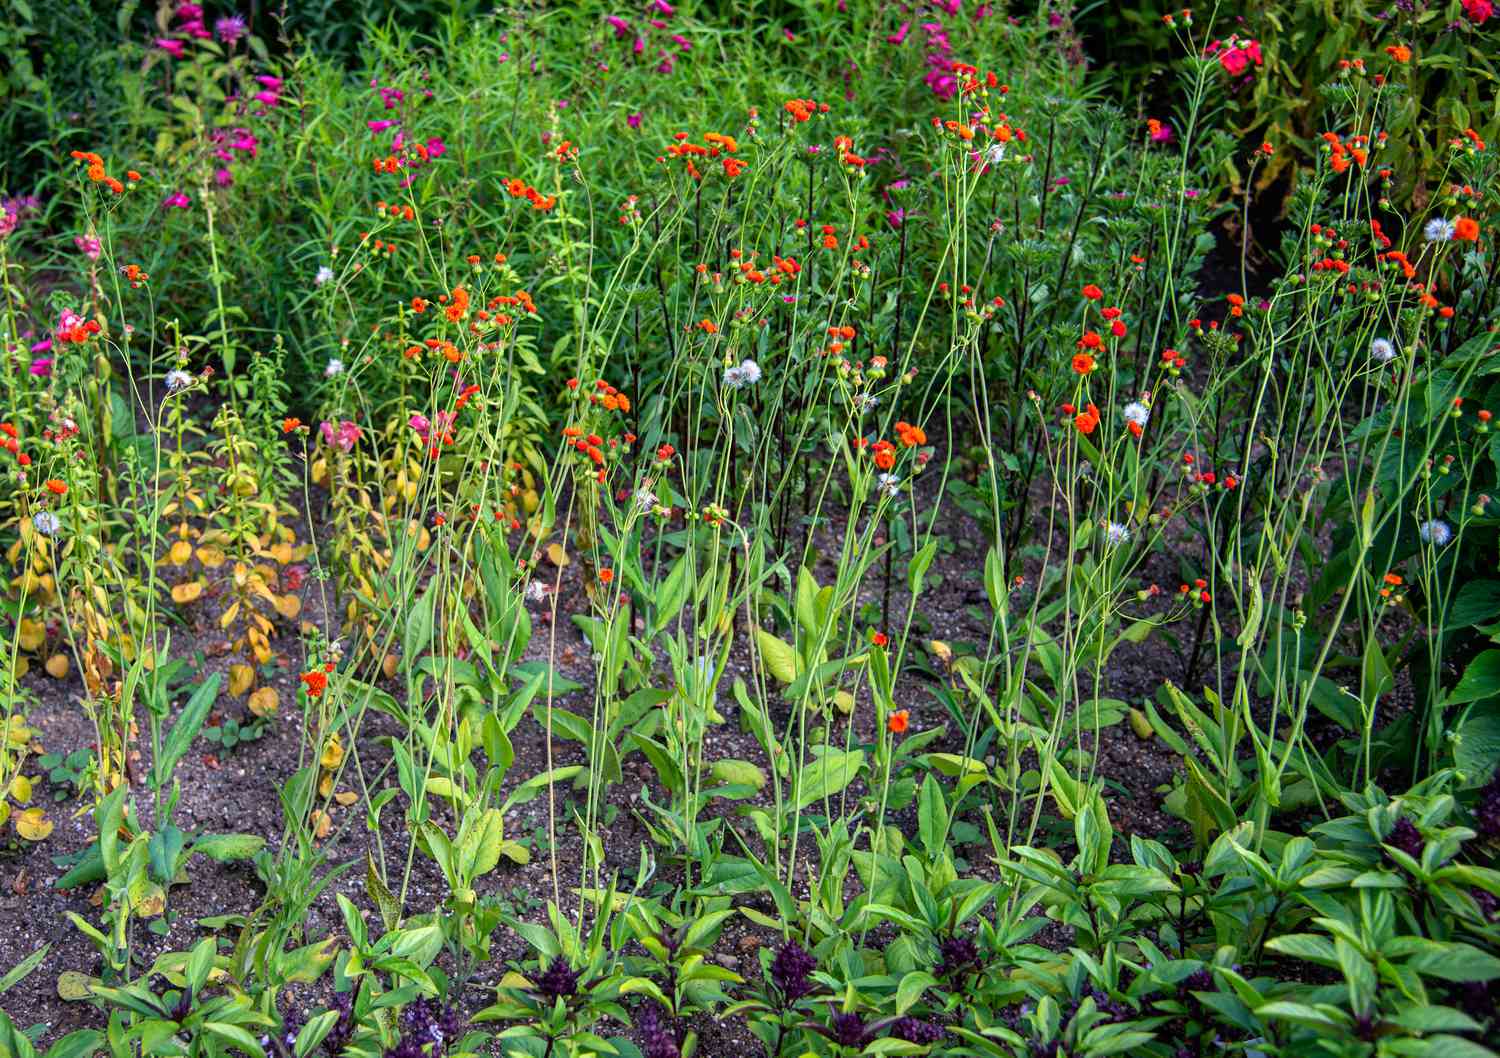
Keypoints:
pixel 316 681
pixel 1092 292
pixel 1083 363
pixel 606 575
pixel 1087 420
pixel 57 488
pixel 879 639
pixel 1466 228
pixel 899 721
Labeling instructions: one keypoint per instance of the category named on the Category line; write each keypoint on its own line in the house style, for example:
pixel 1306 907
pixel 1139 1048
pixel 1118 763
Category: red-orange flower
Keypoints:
pixel 1087 420
pixel 1083 363
pixel 606 575
pixel 1466 228
pixel 315 681
pixel 57 488
pixel 290 424
pixel 899 721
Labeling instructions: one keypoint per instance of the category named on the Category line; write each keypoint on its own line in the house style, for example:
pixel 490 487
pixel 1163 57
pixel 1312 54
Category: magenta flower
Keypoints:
pixel 88 245
pixel 661 7
pixel 619 25
pixel 634 120
pixel 42 367
pixel 231 28
pixel 378 127
pixel 420 424
pixel 223 177
pixel 267 81
pixel 171 47
pixel 899 37
pixel 177 200
pixel 267 98
pixel 895 217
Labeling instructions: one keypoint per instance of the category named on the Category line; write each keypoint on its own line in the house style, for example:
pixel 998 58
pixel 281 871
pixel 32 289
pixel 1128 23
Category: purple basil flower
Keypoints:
pixel 558 981
pixel 791 971
pixel 1406 837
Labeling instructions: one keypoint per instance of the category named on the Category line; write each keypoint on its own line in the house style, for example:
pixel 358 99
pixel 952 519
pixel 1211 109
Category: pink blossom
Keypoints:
pixel 223 177
pixel 88 245
pixel 177 200
pixel 267 98
pixel 380 126
pixel 1478 11
pixel 171 47
pixel 420 424
pixel 899 37
pixel 619 25
pixel 895 217
pixel 661 7
pixel 634 120
pixel 345 436
pixel 267 81
pixel 42 366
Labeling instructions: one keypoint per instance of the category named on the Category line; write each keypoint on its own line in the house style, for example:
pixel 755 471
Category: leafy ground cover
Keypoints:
pixel 825 529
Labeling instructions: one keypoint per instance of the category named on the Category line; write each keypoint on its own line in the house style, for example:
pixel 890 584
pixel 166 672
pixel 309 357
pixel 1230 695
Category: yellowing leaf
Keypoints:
pixel 57 666
pixel 180 552
pixel 557 554
pixel 288 606
pixel 73 986
pixel 333 753
pixel 264 701
pixel 32 634
pixel 227 617
pixel 20 788
pixel 241 678
pixel 322 824
pixel 211 557
pixel 346 797
pixel 187 591
pixel 780 658
pixel 33 824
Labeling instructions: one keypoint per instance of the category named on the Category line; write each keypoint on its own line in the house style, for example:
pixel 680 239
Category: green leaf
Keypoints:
pixel 827 775
pixel 1480 680
pixel 1476 748
pixel 185 730
pixel 227 848
pixel 19 971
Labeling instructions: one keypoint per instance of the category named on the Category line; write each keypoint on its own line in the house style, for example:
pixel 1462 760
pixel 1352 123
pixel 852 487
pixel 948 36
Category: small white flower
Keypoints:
pixel 178 379
pixel 865 401
pixel 44 522
pixel 536 591
pixel 645 500
pixel 1438 229
pixel 1436 532
pixel 746 374
pixel 1137 413
pixel 1116 533
pixel 995 155
pixel 890 485
pixel 324 275
pixel 335 367
pixel 1382 350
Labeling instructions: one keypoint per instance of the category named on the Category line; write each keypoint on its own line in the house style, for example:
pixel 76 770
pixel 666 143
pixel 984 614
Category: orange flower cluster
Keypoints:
pixel 316 680
pixel 910 436
pixel 840 335
pixel 135 275
pixel 1341 152
pixel 97 174
pixel 803 109
pixel 1085 421
pixel 884 454
pixel 781 268
pixel 520 301
pixel 517 188
pixel 457 304
pixel 845 146
pixel 9 440
pixel 395 211
pixel 714 145
pixel 1398 52
pixel 1474 141
pixel 389 164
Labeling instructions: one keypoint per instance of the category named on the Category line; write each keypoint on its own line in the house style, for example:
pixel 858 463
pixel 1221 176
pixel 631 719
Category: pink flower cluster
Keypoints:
pixel 655 20
pixel 1478 11
pixel 343 436
pixel 1236 55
